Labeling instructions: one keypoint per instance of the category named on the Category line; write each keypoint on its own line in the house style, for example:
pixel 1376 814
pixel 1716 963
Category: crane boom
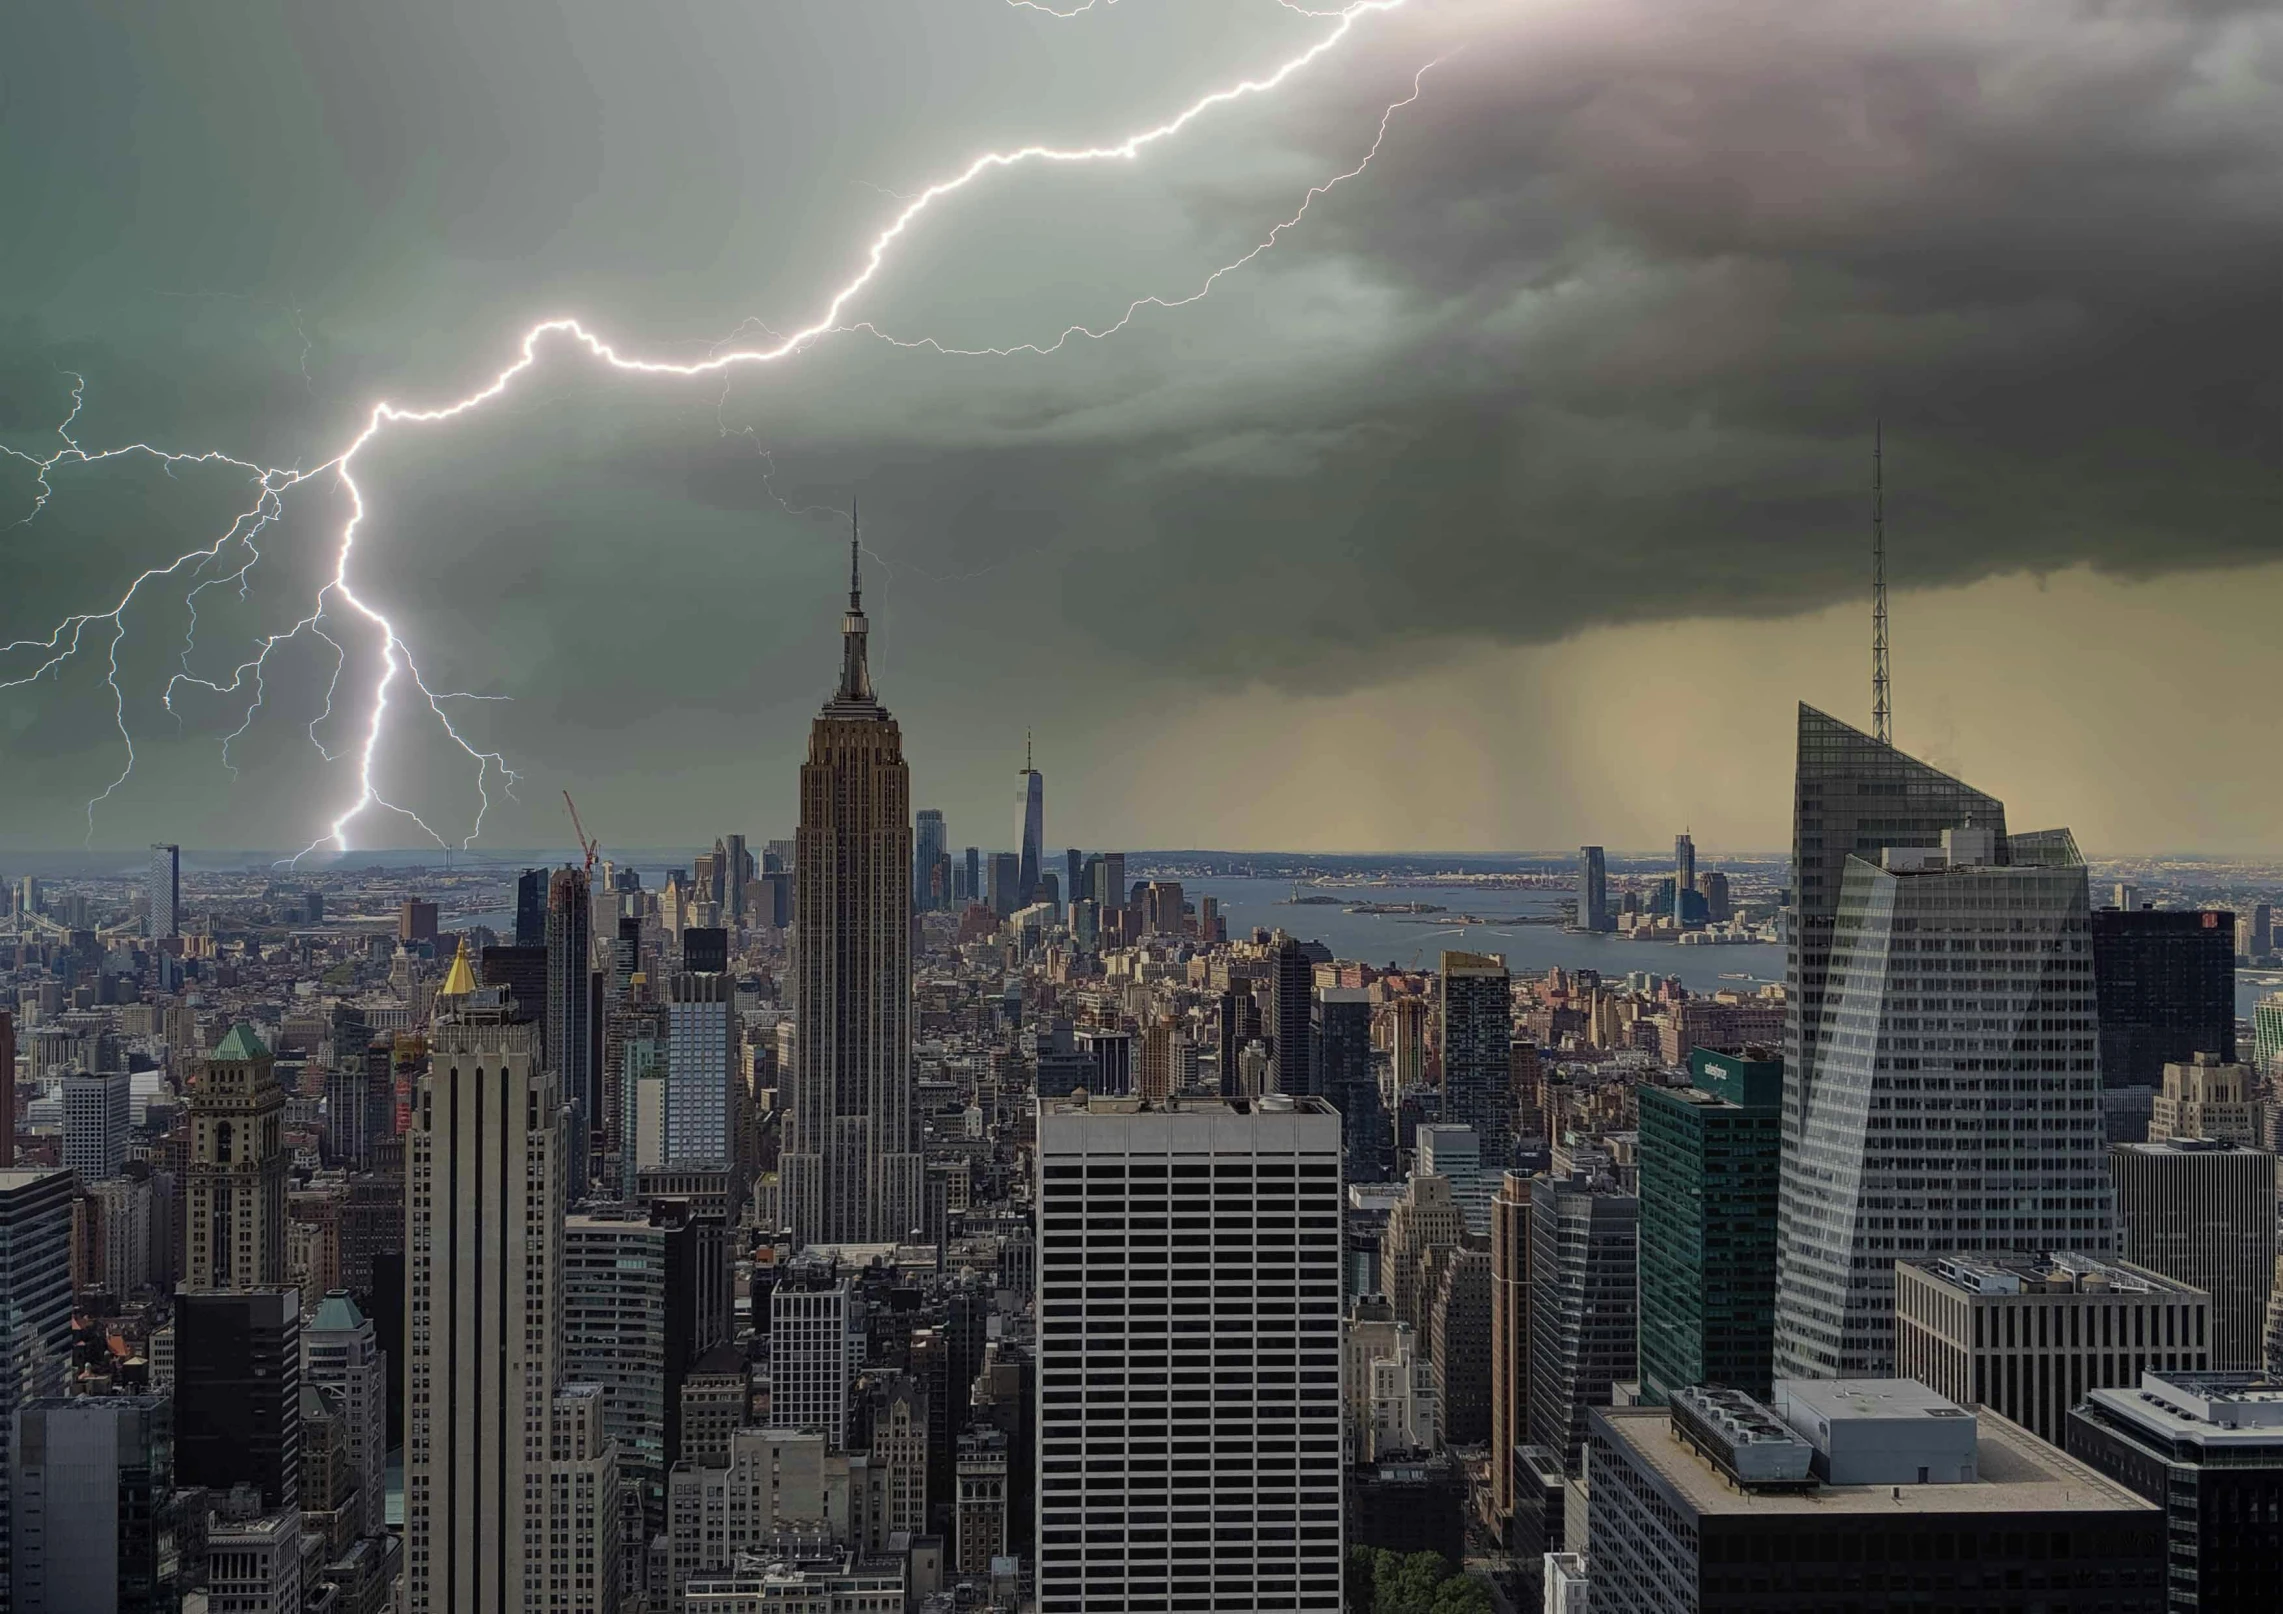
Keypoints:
pixel 580 831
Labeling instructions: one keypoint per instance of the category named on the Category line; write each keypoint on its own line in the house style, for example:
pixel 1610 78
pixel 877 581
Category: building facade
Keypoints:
pixel 2031 1335
pixel 850 1171
pixel 1509 1334
pixel 1131 1516
pixel 235 1203
pixel 2203 1213
pixel 1710 1161
pixel 1474 1006
pixel 2207 1448
pixel 484 1275
pixel 1584 1311
pixel 1955 1103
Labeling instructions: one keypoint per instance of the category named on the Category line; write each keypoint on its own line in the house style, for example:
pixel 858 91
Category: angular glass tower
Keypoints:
pixel 1954 1102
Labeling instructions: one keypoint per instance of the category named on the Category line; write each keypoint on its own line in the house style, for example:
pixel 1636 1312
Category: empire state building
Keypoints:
pixel 851 1166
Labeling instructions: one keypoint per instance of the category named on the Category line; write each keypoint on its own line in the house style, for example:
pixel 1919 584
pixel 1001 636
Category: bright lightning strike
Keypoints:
pixel 337 597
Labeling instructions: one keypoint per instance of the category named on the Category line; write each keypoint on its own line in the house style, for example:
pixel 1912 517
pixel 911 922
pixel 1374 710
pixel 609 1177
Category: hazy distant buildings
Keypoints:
pixel 1593 890
pixel 1958 987
pixel 1684 876
pixel 1129 1512
pixel 1032 800
pixel 163 896
pixel 850 1171
pixel 931 862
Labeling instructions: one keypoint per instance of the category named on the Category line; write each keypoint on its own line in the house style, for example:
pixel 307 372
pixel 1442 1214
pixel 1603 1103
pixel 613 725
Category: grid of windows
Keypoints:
pixel 1189 1382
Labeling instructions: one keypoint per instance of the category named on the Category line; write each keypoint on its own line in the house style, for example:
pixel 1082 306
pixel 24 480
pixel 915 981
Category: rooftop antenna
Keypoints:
pixel 1882 714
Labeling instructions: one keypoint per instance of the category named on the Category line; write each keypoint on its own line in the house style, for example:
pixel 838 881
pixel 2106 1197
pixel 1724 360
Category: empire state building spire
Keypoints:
pixel 855 674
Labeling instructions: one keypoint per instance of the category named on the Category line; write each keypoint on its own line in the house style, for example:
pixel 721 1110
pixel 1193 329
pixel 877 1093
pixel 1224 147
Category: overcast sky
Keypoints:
pixel 1511 500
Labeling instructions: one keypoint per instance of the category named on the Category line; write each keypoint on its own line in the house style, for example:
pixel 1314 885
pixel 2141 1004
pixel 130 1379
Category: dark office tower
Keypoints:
pixel 850 1171
pixel 1851 795
pixel 973 865
pixel 1236 1022
pixel 1592 889
pixel 1710 1156
pixel 2262 929
pixel 736 870
pixel 520 972
pixel 928 842
pixel 1033 802
pixel 416 923
pixel 1343 1064
pixel 1583 1240
pixel 1712 885
pixel 95 1509
pixel 2208 1449
pixel 1002 890
pixel 568 1030
pixel 1458 1338
pixel 2166 985
pixel 705 950
pixel 531 908
pixel 35 1306
pixel 235 1219
pixel 1684 871
pixel 1474 1001
pixel 237 1392
pixel 1286 1019
pixel 626 960
pixel 1073 874
pixel 164 897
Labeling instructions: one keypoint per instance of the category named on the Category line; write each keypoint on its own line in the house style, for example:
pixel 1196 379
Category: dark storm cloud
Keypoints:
pixel 1599 338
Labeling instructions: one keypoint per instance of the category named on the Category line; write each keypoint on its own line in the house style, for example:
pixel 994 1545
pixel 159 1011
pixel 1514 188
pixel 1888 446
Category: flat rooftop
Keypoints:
pixel 2046 1272
pixel 2188 1146
pixel 2019 1473
pixel 2210 1409
pixel 1128 1106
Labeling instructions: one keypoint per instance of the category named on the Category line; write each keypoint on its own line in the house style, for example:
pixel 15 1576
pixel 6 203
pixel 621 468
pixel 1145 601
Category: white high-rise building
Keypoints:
pixel 1956 1102
pixel 485 1174
pixel 340 1353
pixel 1190 1385
pixel 813 1357
pixel 701 1071
pixel 95 1124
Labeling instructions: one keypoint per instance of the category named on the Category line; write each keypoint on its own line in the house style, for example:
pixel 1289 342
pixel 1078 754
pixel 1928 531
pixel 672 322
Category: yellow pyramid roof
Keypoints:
pixel 460 980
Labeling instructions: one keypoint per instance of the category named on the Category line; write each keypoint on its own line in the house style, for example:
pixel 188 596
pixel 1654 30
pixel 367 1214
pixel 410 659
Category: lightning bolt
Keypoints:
pixel 338 598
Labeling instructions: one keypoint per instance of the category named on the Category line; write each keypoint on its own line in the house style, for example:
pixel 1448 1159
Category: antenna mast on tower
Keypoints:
pixel 1882 715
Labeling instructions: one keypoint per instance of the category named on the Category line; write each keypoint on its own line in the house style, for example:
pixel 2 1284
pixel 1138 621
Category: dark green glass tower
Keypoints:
pixel 1709 1159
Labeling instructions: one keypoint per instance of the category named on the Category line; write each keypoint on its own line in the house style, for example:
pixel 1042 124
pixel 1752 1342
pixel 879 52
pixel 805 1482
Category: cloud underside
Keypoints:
pixel 1599 339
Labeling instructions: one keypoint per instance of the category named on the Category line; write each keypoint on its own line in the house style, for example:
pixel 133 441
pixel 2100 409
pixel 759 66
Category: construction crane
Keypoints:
pixel 580 830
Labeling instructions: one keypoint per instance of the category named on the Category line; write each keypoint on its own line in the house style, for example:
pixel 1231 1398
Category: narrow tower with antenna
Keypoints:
pixel 1882 714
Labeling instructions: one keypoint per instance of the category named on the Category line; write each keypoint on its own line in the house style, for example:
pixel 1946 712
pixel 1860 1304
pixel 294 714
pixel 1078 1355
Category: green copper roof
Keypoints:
pixel 240 1043
pixel 337 1314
